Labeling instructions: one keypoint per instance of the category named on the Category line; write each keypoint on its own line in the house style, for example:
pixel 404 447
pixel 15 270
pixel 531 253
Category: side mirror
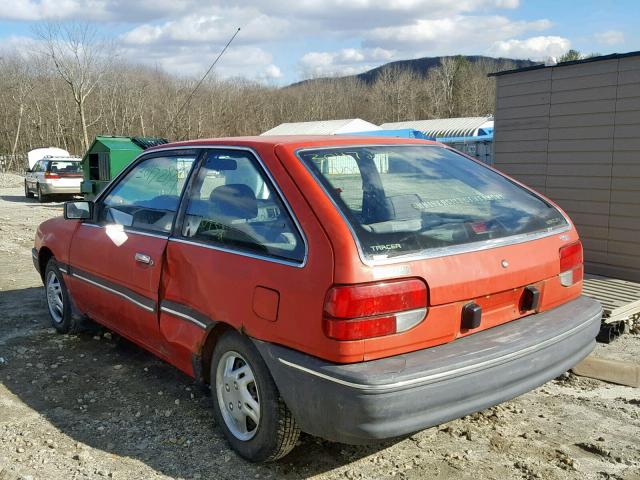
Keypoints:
pixel 78 210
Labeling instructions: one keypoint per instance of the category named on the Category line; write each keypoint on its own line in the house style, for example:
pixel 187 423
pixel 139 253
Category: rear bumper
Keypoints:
pixel 52 189
pixel 362 402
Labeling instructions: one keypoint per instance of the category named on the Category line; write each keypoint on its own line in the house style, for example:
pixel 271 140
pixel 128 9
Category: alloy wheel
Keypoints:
pixel 55 298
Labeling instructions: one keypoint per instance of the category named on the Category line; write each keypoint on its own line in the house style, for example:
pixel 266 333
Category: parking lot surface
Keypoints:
pixel 95 406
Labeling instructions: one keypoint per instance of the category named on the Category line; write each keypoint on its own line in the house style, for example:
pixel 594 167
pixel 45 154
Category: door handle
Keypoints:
pixel 142 258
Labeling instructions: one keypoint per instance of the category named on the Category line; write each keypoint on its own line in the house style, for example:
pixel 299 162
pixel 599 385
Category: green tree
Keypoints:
pixel 570 56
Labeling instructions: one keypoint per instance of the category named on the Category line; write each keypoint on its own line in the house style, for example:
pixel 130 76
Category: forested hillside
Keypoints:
pixel 72 88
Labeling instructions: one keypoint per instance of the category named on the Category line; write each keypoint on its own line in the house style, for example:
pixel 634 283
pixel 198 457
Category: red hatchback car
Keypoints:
pixel 353 288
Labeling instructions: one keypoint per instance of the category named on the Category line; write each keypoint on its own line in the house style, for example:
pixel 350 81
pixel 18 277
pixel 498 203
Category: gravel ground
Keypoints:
pixel 95 406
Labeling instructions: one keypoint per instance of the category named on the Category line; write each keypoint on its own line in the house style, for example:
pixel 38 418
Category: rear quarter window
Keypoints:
pixel 405 199
pixel 232 204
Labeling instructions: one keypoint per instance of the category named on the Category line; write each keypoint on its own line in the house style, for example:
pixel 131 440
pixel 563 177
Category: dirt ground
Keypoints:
pixel 94 406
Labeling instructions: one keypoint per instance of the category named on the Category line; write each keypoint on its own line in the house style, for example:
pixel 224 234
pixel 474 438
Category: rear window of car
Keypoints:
pixel 404 199
pixel 62 167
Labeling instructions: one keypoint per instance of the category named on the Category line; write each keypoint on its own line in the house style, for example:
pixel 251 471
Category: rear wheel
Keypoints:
pixel 41 196
pixel 27 192
pixel 247 404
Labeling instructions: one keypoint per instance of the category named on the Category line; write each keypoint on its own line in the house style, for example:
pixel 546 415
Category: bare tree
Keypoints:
pixel 75 91
pixel 19 82
pixel 81 59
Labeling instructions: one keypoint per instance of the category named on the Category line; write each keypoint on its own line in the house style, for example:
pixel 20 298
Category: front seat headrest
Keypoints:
pixel 234 201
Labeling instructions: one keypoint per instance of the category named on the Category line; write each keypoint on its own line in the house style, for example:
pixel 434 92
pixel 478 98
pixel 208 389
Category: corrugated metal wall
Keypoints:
pixel 573 133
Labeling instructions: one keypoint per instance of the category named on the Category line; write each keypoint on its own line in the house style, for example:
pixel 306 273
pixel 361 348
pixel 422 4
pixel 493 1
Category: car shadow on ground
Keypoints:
pixel 23 199
pixel 108 394
pixel 18 199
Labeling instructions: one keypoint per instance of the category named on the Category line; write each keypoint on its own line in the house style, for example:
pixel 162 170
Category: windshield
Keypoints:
pixel 403 199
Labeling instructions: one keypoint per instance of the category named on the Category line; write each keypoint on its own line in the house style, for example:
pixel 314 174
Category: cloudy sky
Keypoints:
pixel 282 41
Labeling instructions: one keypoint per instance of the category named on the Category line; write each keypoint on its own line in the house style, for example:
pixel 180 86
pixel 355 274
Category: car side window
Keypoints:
pixel 147 197
pixel 232 204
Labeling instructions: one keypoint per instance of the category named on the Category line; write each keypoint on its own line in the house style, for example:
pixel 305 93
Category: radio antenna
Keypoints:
pixel 195 89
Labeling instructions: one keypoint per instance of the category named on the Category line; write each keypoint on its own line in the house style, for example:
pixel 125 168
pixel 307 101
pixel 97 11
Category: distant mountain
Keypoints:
pixel 422 65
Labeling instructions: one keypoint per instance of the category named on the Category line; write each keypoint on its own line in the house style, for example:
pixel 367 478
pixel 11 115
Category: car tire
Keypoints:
pixel 58 300
pixel 27 192
pixel 275 433
pixel 41 196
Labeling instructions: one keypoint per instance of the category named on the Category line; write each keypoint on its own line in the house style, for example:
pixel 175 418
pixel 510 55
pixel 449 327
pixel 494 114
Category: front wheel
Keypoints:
pixel 58 300
pixel 247 404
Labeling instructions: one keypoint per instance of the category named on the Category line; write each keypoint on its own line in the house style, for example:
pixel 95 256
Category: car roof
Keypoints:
pixel 296 141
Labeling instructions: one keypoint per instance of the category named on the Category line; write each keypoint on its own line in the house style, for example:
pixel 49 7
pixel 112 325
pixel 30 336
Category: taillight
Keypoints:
pixel 571 264
pixel 51 175
pixel 354 312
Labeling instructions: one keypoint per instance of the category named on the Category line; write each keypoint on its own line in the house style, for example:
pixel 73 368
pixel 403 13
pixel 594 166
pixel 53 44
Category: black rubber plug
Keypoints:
pixel 471 316
pixel 530 299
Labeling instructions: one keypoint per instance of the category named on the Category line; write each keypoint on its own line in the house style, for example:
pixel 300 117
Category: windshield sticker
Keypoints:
pixel 447 202
pixel 384 248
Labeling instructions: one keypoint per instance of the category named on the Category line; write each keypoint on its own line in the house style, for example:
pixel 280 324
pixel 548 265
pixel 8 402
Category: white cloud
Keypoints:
pixel 103 10
pixel 455 34
pixel 187 44
pixel 458 34
pixel 360 15
pixel 19 44
pixel 271 72
pixel 212 25
pixel 183 36
pixel 534 48
pixel 33 10
pixel 347 61
pixel 610 37
pixel 246 61
pixel 336 14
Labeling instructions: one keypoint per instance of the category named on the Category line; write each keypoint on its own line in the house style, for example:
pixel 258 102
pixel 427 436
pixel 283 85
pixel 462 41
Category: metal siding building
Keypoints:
pixel 445 127
pixel 572 132
pixel 323 127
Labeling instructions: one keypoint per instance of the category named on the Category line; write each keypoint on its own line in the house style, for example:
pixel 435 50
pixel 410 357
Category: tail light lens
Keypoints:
pixel 51 175
pixel 355 312
pixel 571 264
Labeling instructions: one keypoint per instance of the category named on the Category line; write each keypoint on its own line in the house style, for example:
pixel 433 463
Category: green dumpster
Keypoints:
pixel 108 156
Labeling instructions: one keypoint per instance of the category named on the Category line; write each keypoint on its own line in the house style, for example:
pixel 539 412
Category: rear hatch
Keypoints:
pixel 64 173
pixel 480 242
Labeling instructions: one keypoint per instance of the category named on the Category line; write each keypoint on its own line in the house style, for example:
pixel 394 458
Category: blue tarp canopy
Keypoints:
pixel 479 138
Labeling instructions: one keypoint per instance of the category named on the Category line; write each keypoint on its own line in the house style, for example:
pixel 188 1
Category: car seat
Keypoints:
pixel 233 202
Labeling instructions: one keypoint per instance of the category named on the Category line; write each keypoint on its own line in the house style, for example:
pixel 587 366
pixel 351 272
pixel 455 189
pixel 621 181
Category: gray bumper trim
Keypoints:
pixel 360 402
pixel 454 372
